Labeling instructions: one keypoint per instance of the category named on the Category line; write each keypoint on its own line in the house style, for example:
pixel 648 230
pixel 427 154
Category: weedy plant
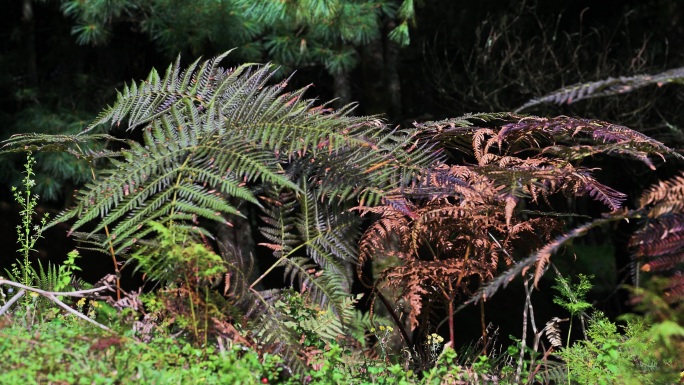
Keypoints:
pixel 51 278
pixel 44 286
pixel 28 233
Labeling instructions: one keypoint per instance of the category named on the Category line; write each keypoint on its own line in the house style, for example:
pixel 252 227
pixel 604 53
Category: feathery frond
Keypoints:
pixel 606 87
pixel 210 135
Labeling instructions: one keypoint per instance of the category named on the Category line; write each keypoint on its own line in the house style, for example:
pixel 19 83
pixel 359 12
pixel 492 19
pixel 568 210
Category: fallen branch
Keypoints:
pixel 52 296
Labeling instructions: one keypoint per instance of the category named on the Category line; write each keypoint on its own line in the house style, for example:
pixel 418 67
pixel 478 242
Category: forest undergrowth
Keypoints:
pixel 366 244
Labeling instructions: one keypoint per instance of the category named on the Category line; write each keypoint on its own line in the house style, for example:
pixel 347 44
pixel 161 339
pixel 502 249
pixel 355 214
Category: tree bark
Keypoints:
pixel 237 244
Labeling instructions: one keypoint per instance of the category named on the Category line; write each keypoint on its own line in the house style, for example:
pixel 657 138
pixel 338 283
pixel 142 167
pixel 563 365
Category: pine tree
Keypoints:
pixel 292 34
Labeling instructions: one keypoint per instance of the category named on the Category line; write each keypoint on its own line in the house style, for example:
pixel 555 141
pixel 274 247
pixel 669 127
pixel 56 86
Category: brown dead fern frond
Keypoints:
pixel 674 291
pixel 669 191
pixel 565 137
pixel 453 227
pixel 458 232
pixel 658 246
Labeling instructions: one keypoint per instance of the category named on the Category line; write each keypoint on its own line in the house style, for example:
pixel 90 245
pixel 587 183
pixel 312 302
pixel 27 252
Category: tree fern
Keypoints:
pixel 217 143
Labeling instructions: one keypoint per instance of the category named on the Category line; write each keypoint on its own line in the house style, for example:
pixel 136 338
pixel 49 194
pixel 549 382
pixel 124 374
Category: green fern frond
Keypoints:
pixel 330 236
pixel 606 87
pixel 323 288
pixel 177 174
pixel 279 219
pixel 326 234
pixel 80 146
pixel 198 87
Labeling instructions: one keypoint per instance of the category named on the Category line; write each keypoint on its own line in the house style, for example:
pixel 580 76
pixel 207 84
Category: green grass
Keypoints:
pixel 70 351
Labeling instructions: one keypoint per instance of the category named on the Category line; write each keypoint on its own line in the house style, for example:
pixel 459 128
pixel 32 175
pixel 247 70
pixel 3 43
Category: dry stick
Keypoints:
pixel 12 301
pixel 52 296
pixel 537 334
pixel 523 342
pixel 544 361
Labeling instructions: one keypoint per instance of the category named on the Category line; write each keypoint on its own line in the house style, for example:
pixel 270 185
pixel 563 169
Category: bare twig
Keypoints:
pixel 52 296
pixel 12 301
pixel 523 341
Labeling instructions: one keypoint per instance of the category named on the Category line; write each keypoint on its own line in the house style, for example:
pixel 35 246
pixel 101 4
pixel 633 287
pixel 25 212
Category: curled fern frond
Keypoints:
pixel 552 331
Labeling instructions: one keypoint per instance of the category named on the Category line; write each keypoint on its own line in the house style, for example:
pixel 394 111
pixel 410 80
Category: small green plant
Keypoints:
pixel 611 357
pixel 187 270
pixel 338 365
pixel 572 298
pixel 68 351
pixel 51 278
pixel 28 233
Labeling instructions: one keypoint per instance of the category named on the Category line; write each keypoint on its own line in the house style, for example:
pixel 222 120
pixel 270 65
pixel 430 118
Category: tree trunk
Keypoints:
pixel 28 31
pixel 342 89
pixel 392 79
pixel 237 244
pixel 374 99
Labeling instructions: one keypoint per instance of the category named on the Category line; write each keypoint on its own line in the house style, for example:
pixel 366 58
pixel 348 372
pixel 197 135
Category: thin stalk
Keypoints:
pixel 273 266
pixel 192 311
pixel 206 315
pixel 452 332
pixel 117 272
pixel 523 341
pixel 567 345
pixel 484 328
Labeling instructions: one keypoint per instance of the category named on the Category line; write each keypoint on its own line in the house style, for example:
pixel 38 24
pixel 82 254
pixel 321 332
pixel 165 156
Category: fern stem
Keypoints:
pixel 206 315
pixel 523 340
pixel 452 332
pixel 484 327
pixel 567 344
pixel 273 266
pixel 117 272
pixel 396 319
pixel 116 264
pixel 192 311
